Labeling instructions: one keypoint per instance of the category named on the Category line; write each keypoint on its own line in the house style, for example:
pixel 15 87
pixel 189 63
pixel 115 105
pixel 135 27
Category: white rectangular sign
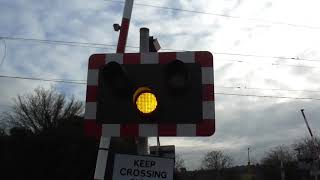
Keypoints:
pixel 163 151
pixel 132 167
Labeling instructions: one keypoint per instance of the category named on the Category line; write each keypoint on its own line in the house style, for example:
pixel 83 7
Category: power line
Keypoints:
pixel 67 43
pixel 43 79
pixel 267 96
pixel 277 64
pixel 222 15
pixel 272 64
pixel 294 90
pixel 72 81
pixel 264 56
pixel 101 45
pixel 218 93
pixel 268 89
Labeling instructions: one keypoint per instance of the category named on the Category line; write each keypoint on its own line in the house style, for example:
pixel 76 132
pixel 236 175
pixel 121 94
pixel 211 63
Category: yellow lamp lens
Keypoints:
pixel 146 102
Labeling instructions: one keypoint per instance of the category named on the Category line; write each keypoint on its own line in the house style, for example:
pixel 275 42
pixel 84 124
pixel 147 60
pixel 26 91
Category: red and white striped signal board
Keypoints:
pixel 203 127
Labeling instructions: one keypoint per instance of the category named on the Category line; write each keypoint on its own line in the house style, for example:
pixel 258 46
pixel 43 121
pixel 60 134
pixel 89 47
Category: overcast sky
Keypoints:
pixel 273 31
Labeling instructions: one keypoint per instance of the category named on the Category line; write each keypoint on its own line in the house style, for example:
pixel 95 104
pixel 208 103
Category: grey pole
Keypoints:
pixel 248 156
pixel 142 142
pixel 306 121
pixel 144 40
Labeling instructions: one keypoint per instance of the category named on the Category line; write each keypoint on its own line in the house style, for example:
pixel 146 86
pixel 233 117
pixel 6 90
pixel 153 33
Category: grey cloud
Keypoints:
pixel 260 124
pixel 241 121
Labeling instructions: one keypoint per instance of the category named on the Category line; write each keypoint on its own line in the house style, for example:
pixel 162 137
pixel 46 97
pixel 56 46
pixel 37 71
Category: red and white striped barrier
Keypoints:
pixel 124 26
pixel 205 127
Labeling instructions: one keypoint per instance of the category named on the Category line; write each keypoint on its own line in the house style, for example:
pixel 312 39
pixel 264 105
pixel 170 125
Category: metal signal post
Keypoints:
pixel 142 142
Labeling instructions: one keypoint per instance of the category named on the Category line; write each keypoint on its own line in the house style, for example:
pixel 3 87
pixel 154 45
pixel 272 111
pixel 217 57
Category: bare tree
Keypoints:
pixel 179 163
pixel 216 160
pixel 2 132
pixel 276 155
pixel 42 110
pixel 308 149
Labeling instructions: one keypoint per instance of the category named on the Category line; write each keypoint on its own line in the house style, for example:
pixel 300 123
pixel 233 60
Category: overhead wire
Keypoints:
pixel 218 93
pixel 265 56
pixel 44 79
pixel 222 15
pixel 269 89
pixel 102 45
pixel 87 44
pixel 73 81
pixel 267 96
pixel 269 64
pixel 58 42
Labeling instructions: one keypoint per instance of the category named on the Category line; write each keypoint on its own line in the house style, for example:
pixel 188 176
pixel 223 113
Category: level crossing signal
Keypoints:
pixel 150 94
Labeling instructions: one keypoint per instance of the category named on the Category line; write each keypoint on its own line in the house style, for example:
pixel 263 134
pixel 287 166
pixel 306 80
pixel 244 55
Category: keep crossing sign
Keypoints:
pixel 133 167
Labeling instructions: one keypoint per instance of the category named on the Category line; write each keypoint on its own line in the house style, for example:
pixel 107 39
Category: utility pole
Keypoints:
pixel 314 171
pixel 306 121
pixel 248 156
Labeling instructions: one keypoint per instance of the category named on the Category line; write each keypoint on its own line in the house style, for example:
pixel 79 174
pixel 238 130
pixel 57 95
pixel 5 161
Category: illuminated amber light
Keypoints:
pixel 146 102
